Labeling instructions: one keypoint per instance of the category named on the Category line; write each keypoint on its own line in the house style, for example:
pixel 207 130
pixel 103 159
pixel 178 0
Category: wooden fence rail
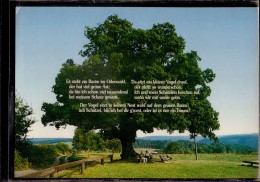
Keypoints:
pixel 49 172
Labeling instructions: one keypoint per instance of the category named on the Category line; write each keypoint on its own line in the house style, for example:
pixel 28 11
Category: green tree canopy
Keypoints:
pixel 23 119
pixel 173 148
pixel 23 122
pixel 114 145
pixel 80 140
pixel 90 140
pixel 116 50
pixel 204 121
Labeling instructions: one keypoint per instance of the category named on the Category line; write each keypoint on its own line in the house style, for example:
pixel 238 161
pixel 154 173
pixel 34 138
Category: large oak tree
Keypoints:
pixel 116 50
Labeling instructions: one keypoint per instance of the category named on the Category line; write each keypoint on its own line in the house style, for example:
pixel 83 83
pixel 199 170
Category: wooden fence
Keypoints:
pixel 49 172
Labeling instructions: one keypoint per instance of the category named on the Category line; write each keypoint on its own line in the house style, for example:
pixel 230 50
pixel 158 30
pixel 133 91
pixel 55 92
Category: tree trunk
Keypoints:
pixel 127 149
pixel 127 136
pixel 196 148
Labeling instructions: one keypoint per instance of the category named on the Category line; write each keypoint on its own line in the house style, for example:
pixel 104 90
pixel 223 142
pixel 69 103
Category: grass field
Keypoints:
pixel 181 166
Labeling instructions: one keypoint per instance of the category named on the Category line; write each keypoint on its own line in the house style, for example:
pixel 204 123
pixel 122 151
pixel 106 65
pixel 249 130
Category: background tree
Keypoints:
pixel 79 141
pixel 204 122
pixel 173 148
pixel 94 142
pixel 89 141
pixel 23 121
pixel 100 144
pixel 118 51
pixel 114 145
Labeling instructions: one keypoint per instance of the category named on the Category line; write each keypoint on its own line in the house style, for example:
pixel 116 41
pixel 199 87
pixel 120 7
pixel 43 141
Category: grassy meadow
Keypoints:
pixel 181 166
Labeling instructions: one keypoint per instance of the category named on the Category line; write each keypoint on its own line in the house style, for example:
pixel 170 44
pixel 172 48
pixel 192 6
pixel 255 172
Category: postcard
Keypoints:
pixel 136 92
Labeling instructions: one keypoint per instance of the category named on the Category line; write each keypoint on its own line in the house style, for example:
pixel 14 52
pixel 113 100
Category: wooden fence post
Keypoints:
pixel 102 161
pixel 82 167
pixel 51 172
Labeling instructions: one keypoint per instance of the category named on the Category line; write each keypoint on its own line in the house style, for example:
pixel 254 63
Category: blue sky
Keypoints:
pixel 225 38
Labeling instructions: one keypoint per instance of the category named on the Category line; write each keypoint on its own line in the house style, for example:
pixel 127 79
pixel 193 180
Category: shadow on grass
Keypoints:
pixel 73 158
pixel 100 154
pixel 66 173
pixel 134 160
pixel 248 165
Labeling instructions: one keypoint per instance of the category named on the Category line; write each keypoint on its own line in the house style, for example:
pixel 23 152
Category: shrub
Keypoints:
pixel 43 155
pixel 39 155
pixel 62 159
pixel 20 163
pixel 24 147
pixel 63 148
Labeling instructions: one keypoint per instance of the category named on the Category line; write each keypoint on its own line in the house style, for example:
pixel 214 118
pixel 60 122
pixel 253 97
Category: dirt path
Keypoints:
pixel 66 159
pixel 57 161
pixel 22 173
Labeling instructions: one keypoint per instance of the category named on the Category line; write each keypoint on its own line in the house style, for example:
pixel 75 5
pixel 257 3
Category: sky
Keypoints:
pixel 226 39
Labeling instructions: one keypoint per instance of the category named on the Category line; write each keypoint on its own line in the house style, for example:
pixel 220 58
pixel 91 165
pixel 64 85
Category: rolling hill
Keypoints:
pixel 49 140
pixel 250 140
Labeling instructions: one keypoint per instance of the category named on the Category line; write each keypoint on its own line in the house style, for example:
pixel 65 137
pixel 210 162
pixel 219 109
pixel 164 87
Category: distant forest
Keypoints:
pixel 187 147
pixel 250 140
pixel 243 144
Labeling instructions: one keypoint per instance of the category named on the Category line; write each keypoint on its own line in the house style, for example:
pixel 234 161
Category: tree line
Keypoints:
pixel 187 147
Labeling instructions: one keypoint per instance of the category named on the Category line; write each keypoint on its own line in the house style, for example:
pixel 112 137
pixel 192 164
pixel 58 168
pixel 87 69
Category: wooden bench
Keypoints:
pixel 165 158
pixel 251 162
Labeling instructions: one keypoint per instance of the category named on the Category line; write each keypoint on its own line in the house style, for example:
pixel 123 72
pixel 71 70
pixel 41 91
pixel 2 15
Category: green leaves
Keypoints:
pixel 209 75
pixel 90 140
pixel 204 120
pixel 23 119
pixel 114 145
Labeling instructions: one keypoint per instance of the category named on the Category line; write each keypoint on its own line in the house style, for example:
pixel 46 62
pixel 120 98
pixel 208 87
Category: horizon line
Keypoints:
pixel 155 136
